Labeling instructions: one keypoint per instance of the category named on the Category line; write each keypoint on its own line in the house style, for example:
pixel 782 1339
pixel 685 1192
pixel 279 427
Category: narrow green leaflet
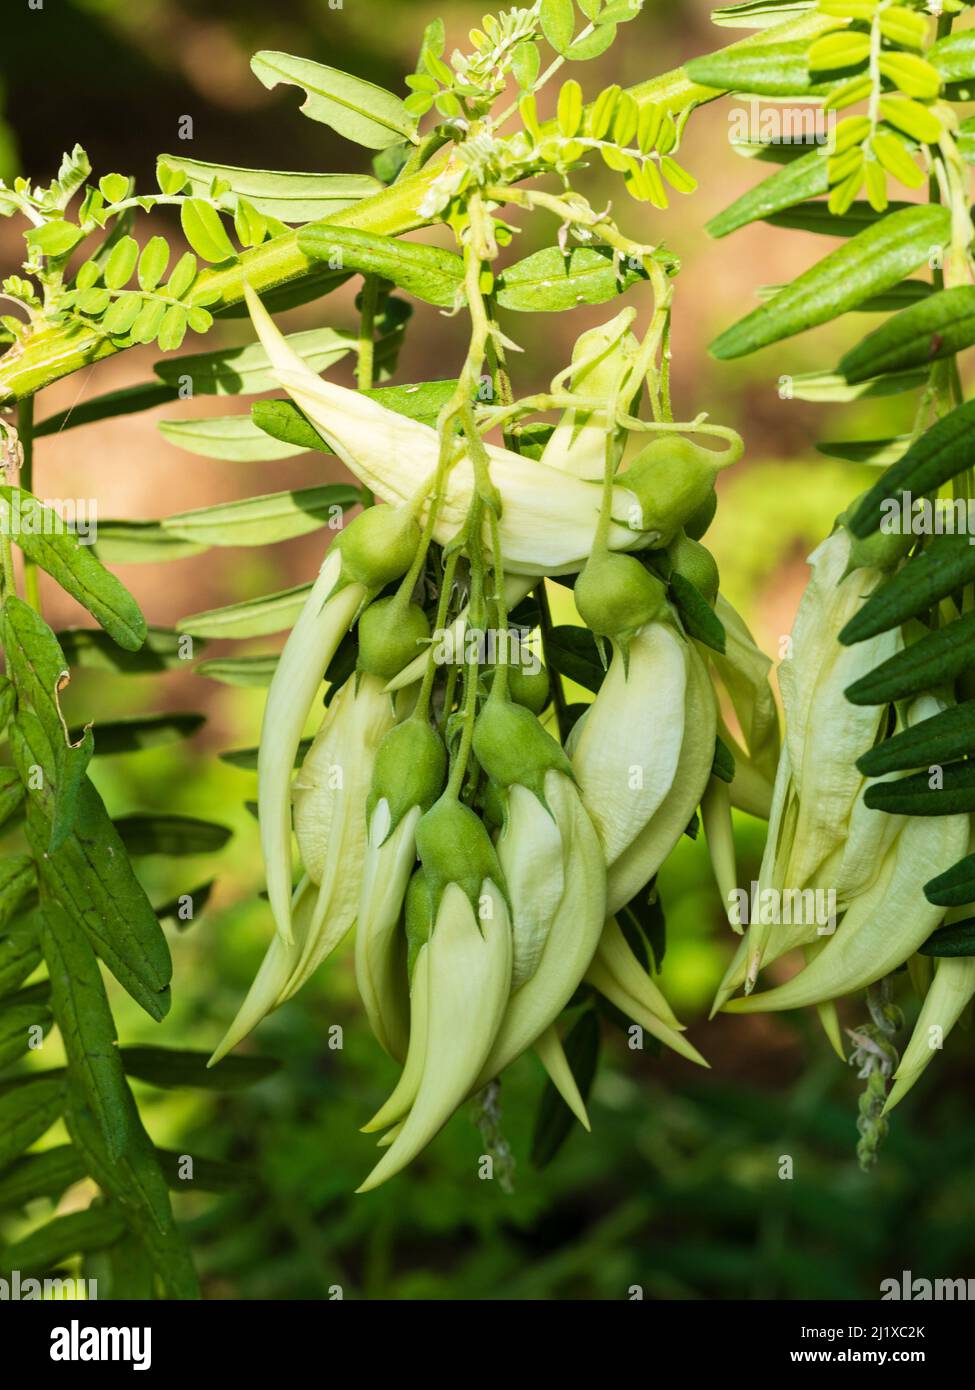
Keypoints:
pixel 283 420
pixel 137 1183
pixel 183 910
pixel 303 289
pixel 132 733
pixel 20 949
pixel 573 653
pixel 817 217
pixel 248 671
pixel 19 1022
pixel 935 458
pixel 430 273
pixel 879 452
pixel 871 262
pixel 760 14
pixel 91 877
pixel 831 386
pixel 939 326
pixel 235 371
pixel 946 564
pixel 551 280
pixel 769 70
pixel 42 536
pixel 914 795
pixel 264 520
pixel 86 1025
pixel 802 178
pixel 251 618
pixel 956 939
pixel 955 887
pixel 290 197
pixel 231 437
pixel 169 1066
pixel 88 649
pixel 943 737
pixel 357 109
pixel 936 659
pixel 698 617
pixel 246 758
pixel 140 543
pixel 26 1112
pixel 173 834
pixel 94 1229
pixel 12 795
pixel 127 401
pixel 46 1174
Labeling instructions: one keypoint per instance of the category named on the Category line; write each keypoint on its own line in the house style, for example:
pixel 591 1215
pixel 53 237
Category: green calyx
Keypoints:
pixel 883 550
pixel 454 847
pixel 699 521
pixel 673 480
pixel 392 632
pixel 616 596
pixel 378 546
pixel 529 688
pixel 418 916
pixel 511 746
pixel 410 770
pixel 695 563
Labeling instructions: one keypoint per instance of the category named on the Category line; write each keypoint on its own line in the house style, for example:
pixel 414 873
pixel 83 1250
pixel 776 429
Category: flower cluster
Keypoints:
pixel 481 836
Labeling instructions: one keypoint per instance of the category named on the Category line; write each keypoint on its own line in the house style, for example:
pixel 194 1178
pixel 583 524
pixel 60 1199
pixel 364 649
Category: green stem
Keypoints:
pixel 25 429
pixel 366 364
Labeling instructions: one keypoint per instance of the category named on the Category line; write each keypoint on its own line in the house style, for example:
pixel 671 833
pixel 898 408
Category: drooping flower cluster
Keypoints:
pixel 480 839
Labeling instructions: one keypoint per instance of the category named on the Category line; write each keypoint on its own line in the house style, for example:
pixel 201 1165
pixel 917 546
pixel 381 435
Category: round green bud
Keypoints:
pixel 418 916
pixel 883 550
pixel 378 546
pixel 391 634
pixel 700 520
pixel 673 479
pixel 512 746
pixel 615 595
pixel 410 769
pixel 454 847
pixel 529 688
pixel 695 563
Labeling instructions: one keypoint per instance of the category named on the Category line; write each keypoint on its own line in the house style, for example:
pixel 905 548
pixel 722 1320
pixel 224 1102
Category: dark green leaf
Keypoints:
pixel 957 939
pixel 134 732
pixel 20 947
pixel 11 795
pixel 26 1112
pixel 175 910
pixel 802 178
pixel 816 217
pixel 931 575
pixel 723 766
pixel 914 795
pixel 172 835
pixel 870 263
pixel 954 56
pixel 955 887
pixel 939 326
pixel 19 1018
pixel 89 649
pixel 431 274
pixel 936 659
pixel 936 740
pixel 94 1229
pixel 698 617
pixel 551 280
pixel 46 1174
pixel 572 651
pixel 42 536
pixel 771 70
pixel 935 458
pixel 167 1066
pixel 246 758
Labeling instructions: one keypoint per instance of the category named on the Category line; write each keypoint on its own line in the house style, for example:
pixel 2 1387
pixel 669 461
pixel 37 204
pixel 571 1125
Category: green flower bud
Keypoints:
pixel 529 688
pixel 695 563
pixel 411 764
pixel 674 479
pixel 883 550
pixel 391 633
pixel 700 520
pixel 454 847
pixel 418 916
pixel 616 596
pixel 379 546
pixel 512 747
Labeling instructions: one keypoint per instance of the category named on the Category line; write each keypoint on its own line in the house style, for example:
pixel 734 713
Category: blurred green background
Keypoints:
pixel 677 1190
